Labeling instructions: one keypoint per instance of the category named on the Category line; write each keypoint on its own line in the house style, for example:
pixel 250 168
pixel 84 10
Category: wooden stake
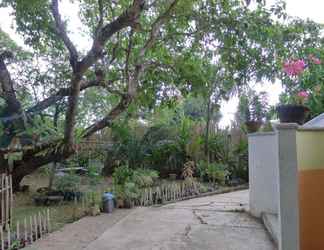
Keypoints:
pixel 2 238
pixel 18 231
pixel 7 201
pixel 48 221
pixel 44 222
pixel 31 229
pixel 9 236
pixel 35 226
pixel 2 201
pixel 40 225
pixel 25 230
pixel 11 197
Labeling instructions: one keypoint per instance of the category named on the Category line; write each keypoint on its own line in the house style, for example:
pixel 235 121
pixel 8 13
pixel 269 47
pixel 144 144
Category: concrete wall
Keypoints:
pixel 263 173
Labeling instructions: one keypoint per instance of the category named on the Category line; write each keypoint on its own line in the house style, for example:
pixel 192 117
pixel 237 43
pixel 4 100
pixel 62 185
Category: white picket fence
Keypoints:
pixel 18 234
pixel 170 191
pixel 25 232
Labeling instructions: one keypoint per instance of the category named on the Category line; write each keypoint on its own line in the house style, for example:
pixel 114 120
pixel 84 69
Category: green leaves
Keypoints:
pixel 35 23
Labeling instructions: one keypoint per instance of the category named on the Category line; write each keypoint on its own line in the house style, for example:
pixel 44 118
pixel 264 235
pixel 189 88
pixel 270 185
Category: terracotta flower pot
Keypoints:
pixel 292 113
pixel 253 126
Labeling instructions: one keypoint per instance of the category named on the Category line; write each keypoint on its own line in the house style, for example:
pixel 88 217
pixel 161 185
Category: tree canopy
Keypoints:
pixel 143 53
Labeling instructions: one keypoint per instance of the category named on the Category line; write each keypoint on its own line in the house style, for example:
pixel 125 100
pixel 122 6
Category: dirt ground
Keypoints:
pixel 61 214
pixel 80 234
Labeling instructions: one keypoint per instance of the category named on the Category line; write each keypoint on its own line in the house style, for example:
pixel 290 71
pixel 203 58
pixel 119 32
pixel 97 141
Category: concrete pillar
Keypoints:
pixel 288 187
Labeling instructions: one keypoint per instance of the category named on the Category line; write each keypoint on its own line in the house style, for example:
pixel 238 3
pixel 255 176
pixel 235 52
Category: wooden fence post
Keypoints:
pixel 35 225
pixel 40 225
pixel 2 237
pixel 7 200
pixel 9 236
pixel 25 230
pixel 31 229
pixel 2 200
pixel 48 220
pixel 18 231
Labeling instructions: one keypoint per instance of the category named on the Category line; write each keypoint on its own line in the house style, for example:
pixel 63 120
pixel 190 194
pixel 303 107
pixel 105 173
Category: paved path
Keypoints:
pixel 215 222
pixel 80 234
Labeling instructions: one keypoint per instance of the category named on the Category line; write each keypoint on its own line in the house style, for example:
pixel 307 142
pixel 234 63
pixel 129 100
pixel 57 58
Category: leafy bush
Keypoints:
pixel 122 174
pixel 240 169
pixel 127 182
pixel 93 173
pixel 131 191
pixel 68 183
pixel 214 172
pixel 145 177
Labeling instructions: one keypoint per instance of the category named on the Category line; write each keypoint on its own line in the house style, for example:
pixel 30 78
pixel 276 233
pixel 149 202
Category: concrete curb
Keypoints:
pixel 270 222
pixel 223 190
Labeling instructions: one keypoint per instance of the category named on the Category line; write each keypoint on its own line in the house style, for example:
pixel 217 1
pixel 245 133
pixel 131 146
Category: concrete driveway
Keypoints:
pixel 215 222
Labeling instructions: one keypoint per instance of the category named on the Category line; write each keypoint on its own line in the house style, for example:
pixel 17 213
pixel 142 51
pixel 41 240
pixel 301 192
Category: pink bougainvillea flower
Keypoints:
pixel 294 67
pixel 303 94
pixel 314 59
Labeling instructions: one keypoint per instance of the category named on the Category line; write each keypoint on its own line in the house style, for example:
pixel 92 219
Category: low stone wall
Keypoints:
pixel 263 173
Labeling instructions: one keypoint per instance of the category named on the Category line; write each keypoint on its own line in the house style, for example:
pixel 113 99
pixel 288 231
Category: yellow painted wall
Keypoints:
pixel 310 150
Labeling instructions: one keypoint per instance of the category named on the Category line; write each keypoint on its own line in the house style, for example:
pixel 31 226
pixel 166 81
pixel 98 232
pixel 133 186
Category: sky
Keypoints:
pixel 312 9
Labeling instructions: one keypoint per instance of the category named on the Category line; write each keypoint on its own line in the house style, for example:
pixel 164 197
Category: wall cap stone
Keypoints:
pixel 282 126
pixel 261 134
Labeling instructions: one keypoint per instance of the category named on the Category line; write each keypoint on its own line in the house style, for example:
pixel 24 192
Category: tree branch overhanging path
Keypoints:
pixel 78 82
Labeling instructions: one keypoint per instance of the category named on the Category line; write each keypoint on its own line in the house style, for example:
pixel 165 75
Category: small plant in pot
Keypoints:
pixel 293 109
pixel 253 108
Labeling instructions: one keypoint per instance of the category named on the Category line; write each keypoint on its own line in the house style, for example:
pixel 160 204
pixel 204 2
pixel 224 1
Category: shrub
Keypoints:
pixel 68 183
pixel 215 172
pixel 145 177
pixel 131 191
pixel 240 169
pixel 128 182
pixel 121 175
pixel 93 173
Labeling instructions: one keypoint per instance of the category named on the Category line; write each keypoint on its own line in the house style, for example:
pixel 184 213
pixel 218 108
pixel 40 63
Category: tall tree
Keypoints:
pixel 139 48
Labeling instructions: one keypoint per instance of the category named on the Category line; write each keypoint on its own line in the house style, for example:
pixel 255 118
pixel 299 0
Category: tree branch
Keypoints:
pixel 6 86
pixel 127 18
pixel 59 95
pixel 133 81
pixel 63 92
pixel 128 52
pixel 101 16
pixel 61 32
pixel 156 27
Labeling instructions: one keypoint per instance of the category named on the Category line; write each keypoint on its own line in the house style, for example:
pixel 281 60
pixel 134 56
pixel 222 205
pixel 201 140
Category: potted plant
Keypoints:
pixel 293 109
pixel 296 112
pixel 253 108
